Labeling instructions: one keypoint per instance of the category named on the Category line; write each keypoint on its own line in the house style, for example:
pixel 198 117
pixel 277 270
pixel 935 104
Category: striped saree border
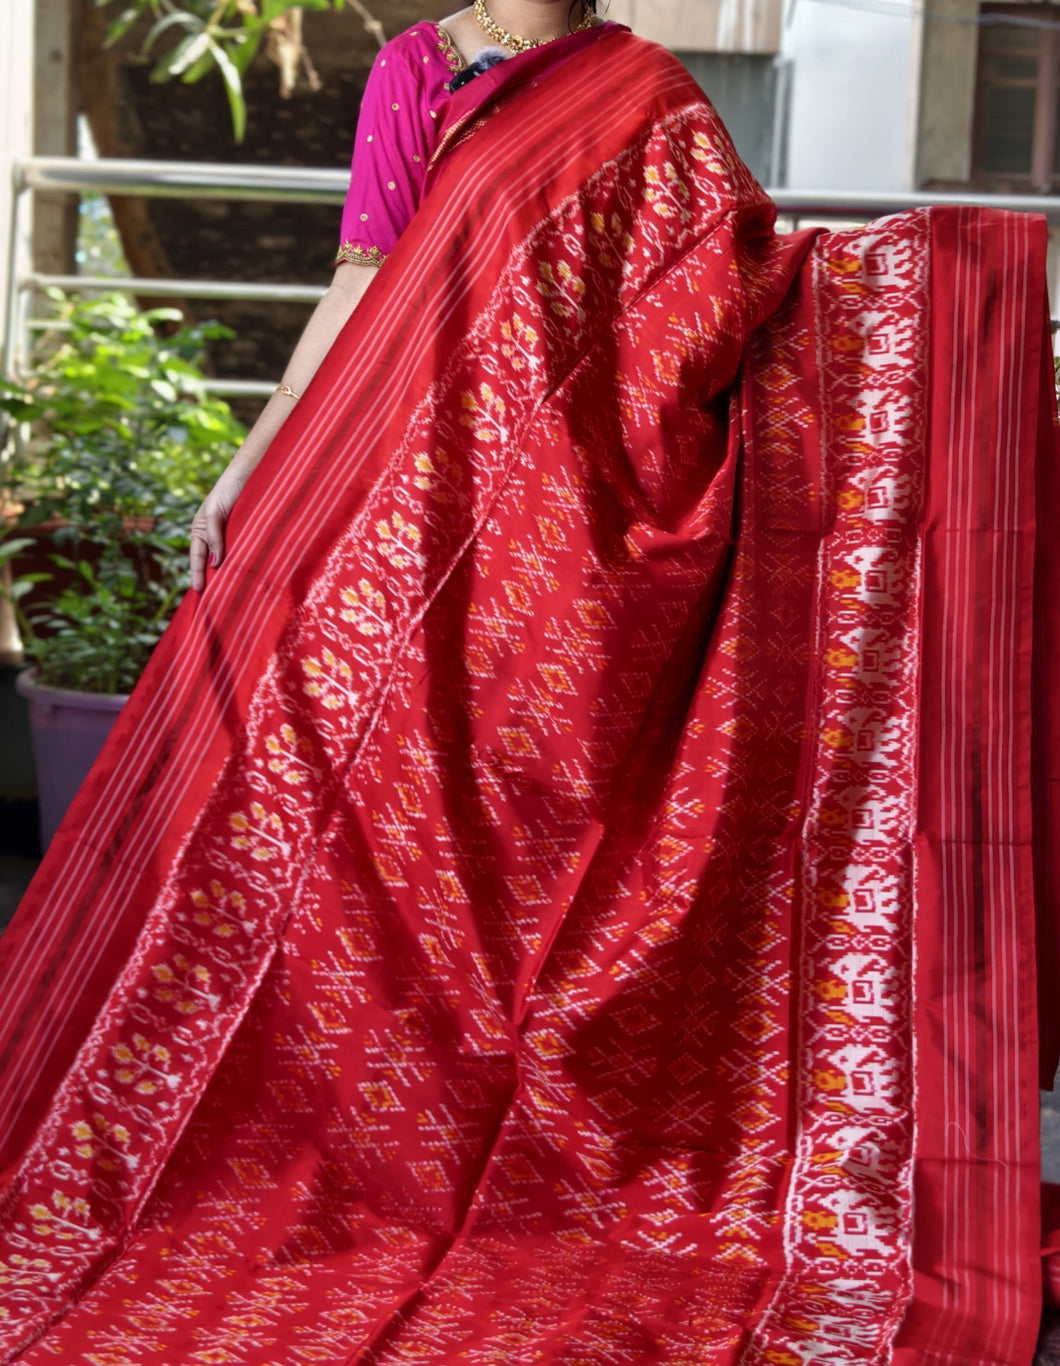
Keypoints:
pixel 976 1269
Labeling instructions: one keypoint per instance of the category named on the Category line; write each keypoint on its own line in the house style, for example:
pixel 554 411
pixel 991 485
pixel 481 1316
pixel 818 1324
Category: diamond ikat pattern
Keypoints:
pixel 517 847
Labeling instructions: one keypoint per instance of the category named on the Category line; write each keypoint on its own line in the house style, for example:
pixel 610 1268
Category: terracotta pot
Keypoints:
pixel 68 730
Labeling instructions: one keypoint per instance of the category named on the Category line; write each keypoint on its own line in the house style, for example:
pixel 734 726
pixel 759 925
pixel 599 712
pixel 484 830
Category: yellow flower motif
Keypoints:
pixel 238 821
pixel 81 1130
pixel 121 1052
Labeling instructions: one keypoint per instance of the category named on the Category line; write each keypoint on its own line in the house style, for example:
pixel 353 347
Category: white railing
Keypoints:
pixel 294 185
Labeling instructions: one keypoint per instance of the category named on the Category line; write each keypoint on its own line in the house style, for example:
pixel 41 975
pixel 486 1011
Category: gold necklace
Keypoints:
pixel 512 41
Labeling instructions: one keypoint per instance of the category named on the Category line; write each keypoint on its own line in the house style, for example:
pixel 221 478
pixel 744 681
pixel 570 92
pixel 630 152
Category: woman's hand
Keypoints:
pixel 208 526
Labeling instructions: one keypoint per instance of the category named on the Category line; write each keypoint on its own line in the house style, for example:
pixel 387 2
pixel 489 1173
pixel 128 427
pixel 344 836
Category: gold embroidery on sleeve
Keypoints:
pixel 448 49
pixel 360 256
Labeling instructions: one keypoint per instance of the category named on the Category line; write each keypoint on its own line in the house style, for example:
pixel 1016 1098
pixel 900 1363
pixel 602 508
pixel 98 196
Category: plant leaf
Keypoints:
pixel 123 23
pixel 233 88
pixel 181 19
pixel 10 548
pixel 187 52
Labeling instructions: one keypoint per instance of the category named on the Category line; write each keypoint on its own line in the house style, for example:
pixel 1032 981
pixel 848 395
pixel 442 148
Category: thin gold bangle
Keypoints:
pixel 286 389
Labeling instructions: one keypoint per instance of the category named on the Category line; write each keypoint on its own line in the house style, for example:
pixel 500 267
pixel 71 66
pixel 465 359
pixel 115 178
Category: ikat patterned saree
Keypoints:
pixel 571 890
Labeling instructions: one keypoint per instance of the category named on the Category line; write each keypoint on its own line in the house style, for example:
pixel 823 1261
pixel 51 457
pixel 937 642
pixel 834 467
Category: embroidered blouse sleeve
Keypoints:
pixel 390 155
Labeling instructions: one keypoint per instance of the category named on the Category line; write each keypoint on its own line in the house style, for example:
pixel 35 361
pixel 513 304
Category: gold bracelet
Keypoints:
pixel 286 389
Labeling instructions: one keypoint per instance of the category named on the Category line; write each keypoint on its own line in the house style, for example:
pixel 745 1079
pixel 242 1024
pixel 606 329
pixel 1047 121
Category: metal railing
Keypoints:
pixel 295 185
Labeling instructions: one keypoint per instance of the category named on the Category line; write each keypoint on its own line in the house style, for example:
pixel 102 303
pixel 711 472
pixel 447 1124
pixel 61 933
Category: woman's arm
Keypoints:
pixel 329 317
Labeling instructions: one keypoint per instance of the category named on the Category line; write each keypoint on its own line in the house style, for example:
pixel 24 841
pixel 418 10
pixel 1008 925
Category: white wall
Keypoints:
pixel 16 123
pixel 852 109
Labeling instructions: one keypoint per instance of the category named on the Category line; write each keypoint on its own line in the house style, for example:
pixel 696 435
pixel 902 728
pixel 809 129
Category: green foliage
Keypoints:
pixel 123 446
pixel 194 37
pixel 99 249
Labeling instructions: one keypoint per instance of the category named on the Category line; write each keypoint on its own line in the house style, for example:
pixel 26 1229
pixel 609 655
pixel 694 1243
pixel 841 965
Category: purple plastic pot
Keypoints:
pixel 68 730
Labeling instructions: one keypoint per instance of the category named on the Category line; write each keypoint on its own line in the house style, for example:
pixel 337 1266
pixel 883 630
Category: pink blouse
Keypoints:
pixel 396 135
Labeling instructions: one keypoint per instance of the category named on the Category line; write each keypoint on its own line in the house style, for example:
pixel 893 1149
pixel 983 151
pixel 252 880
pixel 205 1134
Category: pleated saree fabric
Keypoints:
pixel 571 890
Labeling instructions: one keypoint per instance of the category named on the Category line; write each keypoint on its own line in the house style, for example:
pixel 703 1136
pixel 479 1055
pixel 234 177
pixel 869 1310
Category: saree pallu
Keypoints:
pixel 569 890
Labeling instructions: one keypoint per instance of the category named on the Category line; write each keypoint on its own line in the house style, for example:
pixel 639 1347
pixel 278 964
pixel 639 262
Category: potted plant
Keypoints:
pixel 116 444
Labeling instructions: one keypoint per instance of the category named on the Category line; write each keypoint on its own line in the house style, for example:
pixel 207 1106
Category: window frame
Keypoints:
pixel 1043 175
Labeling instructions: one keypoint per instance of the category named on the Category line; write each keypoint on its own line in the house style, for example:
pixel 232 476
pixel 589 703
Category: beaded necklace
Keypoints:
pixel 512 41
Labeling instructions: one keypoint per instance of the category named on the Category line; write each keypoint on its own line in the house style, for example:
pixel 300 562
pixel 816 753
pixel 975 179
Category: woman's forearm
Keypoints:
pixel 326 322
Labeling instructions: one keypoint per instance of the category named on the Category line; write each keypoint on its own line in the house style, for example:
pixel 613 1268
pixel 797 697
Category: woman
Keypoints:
pixel 567 890
pixel 407 93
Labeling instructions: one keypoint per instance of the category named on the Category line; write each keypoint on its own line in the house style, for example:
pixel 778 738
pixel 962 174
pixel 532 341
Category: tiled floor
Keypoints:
pixel 15 874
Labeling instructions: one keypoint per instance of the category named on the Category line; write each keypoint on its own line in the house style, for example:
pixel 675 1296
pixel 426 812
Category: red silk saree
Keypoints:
pixel 571 890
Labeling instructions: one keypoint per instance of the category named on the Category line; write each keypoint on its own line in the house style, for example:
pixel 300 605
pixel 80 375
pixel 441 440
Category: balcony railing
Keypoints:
pixel 293 185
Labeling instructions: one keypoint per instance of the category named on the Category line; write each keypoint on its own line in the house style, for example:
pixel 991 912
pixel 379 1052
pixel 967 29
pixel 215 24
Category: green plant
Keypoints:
pixel 202 35
pixel 123 445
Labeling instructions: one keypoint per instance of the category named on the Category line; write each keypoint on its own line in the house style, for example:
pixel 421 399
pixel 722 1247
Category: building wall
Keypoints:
pixel 16 124
pixel 56 104
pixel 853 109
pixel 747 26
pixel 947 92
